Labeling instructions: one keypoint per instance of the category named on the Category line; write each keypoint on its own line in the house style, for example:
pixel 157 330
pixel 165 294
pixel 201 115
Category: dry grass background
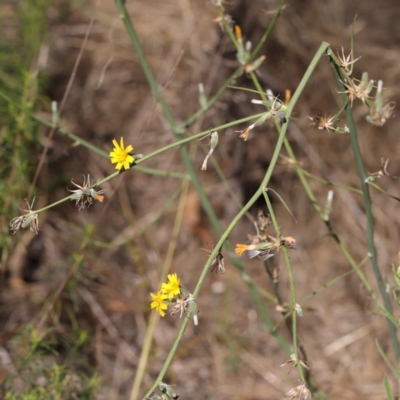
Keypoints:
pixel 230 355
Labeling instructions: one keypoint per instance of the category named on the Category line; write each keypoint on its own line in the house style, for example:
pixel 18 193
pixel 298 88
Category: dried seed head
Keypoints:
pixel 379 116
pixel 293 363
pixel 299 393
pixel 380 112
pixel 16 224
pixel 85 195
pixel 288 242
pixel 245 133
pixel 180 306
pixel 24 221
pixel 263 221
pixel 360 91
pixel 261 225
pixel 345 62
pixel 168 390
pixel 382 172
pixel 323 122
pixel 218 263
pixel 185 303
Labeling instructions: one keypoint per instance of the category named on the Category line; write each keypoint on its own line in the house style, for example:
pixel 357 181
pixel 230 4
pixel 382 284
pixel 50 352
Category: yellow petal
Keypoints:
pixel 161 312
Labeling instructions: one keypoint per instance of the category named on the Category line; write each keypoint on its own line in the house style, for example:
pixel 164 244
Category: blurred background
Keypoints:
pixel 95 327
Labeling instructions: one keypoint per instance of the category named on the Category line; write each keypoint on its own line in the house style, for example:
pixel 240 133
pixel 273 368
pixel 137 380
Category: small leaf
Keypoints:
pixel 280 198
pixel 387 361
pixel 388 315
pixel 388 388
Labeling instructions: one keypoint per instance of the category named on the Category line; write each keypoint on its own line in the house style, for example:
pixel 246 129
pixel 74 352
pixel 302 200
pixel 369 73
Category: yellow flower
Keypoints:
pixel 172 287
pixel 241 248
pixel 158 302
pixel 121 156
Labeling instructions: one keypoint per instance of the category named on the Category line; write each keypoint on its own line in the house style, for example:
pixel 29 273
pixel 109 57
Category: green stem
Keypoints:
pixel 292 285
pixel 211 101
pixel 383 191
pixel 329 183
pixel 328 224
pixel 227 27
pixel 269 29
pixel 104 154
pixel 89 146
pixel 368 208
pixel 334 280
pixel 242 212
pixel 197 136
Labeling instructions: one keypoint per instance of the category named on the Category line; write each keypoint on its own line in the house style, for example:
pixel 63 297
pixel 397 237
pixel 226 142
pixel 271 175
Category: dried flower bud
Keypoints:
pixel 251 67
pixel 299 310
pixel 193 309
pixel 213 144
pixel 168 390
pixel 328 205
pixel 380 112
pixel 202 97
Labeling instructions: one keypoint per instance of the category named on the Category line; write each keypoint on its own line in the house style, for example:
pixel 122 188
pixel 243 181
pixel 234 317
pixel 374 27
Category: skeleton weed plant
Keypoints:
pixel 265 243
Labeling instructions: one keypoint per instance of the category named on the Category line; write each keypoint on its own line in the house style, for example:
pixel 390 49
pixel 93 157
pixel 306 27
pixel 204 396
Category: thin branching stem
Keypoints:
pixel 368 207
pixel 291 283
pixel 329 226
pixel 321 51
pixel 269 29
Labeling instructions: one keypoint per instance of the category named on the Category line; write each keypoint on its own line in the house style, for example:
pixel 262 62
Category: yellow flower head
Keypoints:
pixel 121 156
pixel 158 302
pixel 241 248
pixel 172 287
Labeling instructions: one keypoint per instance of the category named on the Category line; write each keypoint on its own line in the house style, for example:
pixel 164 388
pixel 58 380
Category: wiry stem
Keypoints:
pixel 368 208
pixel 243 211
